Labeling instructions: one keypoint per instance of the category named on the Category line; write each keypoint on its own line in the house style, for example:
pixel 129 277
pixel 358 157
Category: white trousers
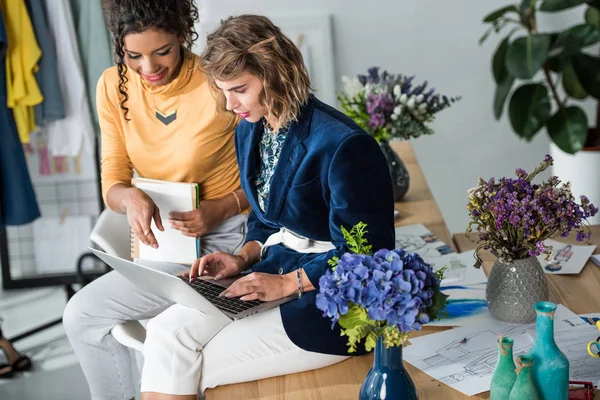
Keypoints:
pixel 187 351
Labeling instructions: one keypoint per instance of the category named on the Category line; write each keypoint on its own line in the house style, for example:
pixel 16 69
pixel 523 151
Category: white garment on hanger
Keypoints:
pixel 69 136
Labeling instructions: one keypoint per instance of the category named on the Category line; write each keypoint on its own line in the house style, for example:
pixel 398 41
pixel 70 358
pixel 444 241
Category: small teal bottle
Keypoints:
pixel 550 366
pixel 524 388
pixel 504 376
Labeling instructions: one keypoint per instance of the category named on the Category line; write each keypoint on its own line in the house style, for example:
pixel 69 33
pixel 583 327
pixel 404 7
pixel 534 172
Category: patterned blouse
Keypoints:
pixel 269 150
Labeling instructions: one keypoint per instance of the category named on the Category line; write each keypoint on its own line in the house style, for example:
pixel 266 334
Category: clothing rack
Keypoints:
pixel 66 279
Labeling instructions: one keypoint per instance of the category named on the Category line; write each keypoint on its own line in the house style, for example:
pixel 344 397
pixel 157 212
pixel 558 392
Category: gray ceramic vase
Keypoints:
pixel 513 290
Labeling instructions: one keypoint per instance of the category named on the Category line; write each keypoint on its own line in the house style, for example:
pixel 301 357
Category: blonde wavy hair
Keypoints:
pixel 253 44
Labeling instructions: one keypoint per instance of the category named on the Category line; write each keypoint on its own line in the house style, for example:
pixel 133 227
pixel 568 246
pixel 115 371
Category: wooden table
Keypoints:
pixel 343 380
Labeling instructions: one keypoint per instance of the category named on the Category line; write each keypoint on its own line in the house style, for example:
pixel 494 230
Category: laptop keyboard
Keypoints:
pixel 211 292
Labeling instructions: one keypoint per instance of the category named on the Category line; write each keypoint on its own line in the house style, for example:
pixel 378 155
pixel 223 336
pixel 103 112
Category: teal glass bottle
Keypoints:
pixel 550 366
pixel 524 387
pixel 504 376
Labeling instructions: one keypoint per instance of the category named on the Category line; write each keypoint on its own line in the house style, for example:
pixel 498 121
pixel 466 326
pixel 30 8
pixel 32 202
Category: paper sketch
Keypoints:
pixel 465 306
pixel 459 268
pixel 418 239
pixel 464 358
pixel 567 259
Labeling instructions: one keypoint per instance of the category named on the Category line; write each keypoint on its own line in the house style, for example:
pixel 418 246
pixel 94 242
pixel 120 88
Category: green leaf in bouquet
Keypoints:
pixel 371 341
pixel 568 128
pixel 333 262
pixel 571 83
pixel 493 16
pixel 438 305
pixel 356 240
pixel 393 337
pixel 529 109
pixel 502 91
pixel 356 316
pixel 526 55
pixel 588 73
pixel 356 325
pixel 559 5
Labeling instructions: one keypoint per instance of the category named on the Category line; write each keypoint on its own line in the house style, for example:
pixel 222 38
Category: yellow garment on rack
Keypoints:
pixel 23 55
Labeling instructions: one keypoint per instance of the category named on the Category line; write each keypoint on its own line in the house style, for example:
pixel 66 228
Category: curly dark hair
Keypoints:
pixel 134 16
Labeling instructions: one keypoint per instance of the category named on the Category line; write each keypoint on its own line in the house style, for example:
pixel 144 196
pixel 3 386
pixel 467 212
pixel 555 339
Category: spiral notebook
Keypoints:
pixel 173 246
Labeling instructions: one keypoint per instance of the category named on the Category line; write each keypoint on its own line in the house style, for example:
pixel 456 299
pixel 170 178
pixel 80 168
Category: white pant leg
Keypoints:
pixel 173 349
pixel 253 348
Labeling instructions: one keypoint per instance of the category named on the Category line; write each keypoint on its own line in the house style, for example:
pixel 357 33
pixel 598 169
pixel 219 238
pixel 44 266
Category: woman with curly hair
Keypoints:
pixel 158 118
pixel 307 170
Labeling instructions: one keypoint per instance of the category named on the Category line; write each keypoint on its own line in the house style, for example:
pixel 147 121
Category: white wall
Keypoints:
pixel 438 41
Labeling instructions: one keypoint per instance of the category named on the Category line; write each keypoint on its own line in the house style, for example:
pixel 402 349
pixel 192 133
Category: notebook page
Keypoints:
pixel 173 246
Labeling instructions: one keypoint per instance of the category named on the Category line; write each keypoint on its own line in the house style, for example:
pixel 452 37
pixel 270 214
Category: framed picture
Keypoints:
pixel 313 36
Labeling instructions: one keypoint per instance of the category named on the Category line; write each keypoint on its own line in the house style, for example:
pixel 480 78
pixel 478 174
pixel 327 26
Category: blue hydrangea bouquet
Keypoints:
pixel 390 106
pixel 387 294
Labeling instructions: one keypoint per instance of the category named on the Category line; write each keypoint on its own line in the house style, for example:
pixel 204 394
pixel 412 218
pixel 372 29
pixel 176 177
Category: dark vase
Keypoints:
pixel 388 379
pixel 400 178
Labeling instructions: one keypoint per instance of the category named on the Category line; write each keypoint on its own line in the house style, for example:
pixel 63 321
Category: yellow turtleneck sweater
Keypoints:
pixel 196 147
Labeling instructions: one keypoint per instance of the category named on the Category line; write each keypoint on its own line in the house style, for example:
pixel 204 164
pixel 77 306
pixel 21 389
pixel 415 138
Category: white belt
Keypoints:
pixel 296 242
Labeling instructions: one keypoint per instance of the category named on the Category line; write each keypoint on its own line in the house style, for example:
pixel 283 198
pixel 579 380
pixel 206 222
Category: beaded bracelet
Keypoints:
pixel 300 286
pixel 237 200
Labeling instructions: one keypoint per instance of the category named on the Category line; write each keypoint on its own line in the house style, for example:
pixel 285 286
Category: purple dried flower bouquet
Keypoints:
pixel 388 294
pixel 514 216
pixel 390 106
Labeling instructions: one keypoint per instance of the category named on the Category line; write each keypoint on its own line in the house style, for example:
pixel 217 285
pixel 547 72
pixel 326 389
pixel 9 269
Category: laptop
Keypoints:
pixel 202 294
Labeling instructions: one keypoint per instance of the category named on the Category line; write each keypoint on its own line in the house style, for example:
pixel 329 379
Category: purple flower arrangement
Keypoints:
pixel 391 106
pixel 388 294
pixel 514 216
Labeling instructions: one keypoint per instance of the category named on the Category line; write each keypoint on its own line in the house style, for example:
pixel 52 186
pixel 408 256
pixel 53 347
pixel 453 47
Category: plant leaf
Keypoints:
pixel 592 17
pixel 559 5
pixel 593 3
pixel 571 84
pixel 526 55
pixel 529 109
pixel 498 63
pixel 494 15
pixel 525 5
pixel 587 69
pixel 576 38
pixel 568 128
pixel 556 63
pixel 485 35
pixel 502 91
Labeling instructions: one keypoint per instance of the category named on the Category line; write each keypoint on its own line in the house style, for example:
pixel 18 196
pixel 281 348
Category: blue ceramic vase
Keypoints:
pixel 550 366
pixel 504 376
pixel 387 379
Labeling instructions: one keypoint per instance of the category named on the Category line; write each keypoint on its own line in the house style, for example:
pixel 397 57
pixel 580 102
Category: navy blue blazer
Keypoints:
pixel 330 174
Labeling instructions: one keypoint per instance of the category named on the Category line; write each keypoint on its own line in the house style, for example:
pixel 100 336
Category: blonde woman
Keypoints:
pixel 307 170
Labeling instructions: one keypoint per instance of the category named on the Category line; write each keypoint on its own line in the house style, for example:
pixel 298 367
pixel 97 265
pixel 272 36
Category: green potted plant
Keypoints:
pixel 543 75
